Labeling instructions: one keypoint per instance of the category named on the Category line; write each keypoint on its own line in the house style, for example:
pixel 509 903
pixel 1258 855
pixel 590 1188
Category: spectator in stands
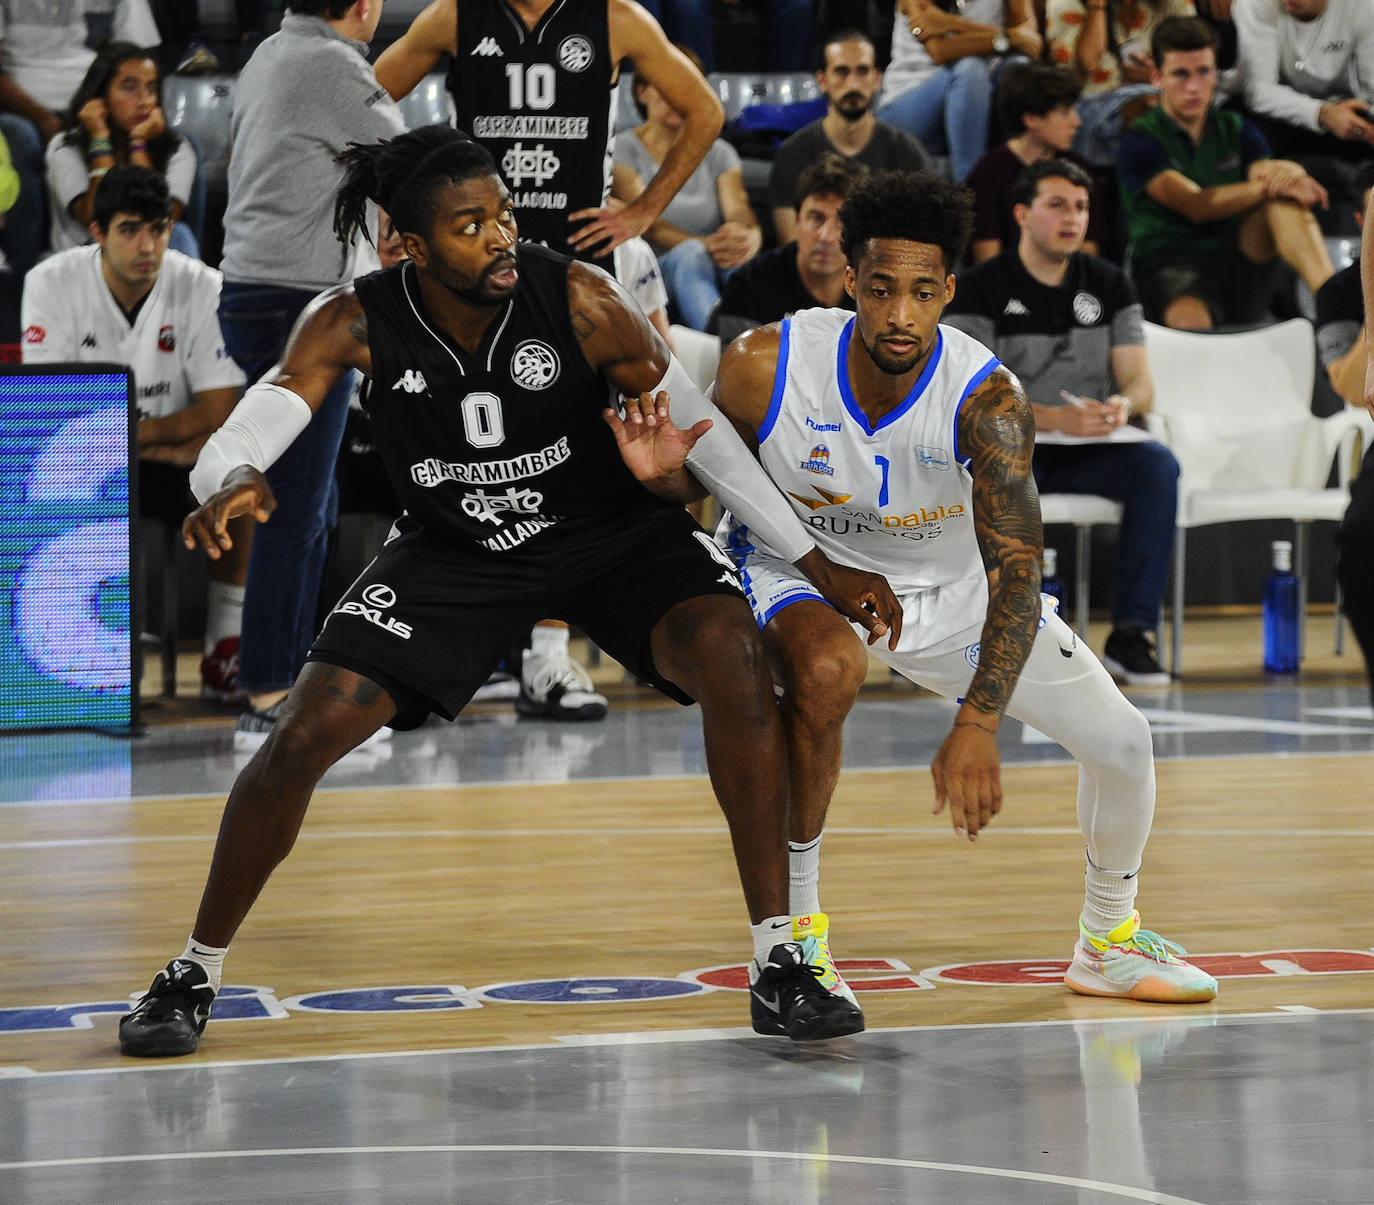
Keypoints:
pixel 304 95
pixel 787 42
pixel 116 117
pixel 1069 326
pixel 806 272
pixel 709 228
pixel 1309 79
pixel 940 81
pixel 1343 341
pixel 1035 102
pixel 849 80
pixel 10 285
pixel 1108 45
pixel 1209 211
pixel 130 300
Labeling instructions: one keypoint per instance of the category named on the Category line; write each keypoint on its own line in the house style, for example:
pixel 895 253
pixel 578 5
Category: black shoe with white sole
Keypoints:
pixel 786 997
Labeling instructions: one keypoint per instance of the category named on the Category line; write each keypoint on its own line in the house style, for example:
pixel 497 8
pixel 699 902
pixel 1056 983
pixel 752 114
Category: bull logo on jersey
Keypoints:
pixel 1087 309
pixel 534 365
pixel 167 339
pixel 575 53
pixel 818 461
pixel 825 498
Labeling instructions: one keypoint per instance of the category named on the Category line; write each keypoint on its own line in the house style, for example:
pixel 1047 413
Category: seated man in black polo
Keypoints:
pixel 802 274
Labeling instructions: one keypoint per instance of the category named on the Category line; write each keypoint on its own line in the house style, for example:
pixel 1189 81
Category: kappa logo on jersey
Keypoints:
pixel 488 48
pixel 1087 309
pixel 35 334
pixel 826 498
pixel 1016 307
pixel 575 53
pixel 535 165
pixel 412 381
pixel 932 458
pixel 167 339
pixel 377 598
pixel 89 340
pixel 534 365
pixel 818 461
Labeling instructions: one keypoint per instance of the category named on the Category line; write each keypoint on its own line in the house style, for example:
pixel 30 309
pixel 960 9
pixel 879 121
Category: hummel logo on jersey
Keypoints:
pixel 88 341
pixel 488 48
pixel 412 382
pixel 1016 307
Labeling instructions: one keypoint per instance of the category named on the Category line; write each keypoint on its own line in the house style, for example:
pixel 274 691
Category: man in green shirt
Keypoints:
pixel 1209 212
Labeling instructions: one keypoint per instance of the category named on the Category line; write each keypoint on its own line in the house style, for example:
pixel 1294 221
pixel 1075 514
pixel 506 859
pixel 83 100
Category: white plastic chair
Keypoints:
pixel 429 103
pixel 200 105
pixel 698 353
pixel 1084 512
pixel 1235 409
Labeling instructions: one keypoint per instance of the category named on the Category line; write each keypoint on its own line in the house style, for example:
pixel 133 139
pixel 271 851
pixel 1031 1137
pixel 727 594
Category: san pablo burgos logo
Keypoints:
pixel 575 53
pixel 377 599
pixel 413 381
pixel 534 365
pixel 488 48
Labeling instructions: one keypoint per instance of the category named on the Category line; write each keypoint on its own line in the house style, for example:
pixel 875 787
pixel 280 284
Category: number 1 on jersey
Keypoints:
pixel 884 464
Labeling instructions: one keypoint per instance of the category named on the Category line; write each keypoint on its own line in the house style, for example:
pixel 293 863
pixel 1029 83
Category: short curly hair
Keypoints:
pixel 921 207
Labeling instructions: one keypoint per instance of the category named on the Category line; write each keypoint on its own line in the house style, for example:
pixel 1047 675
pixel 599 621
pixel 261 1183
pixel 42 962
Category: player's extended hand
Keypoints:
pixel 652 446
pixel 861 597
pixel 968 776
pixel 245 492
pixel 604 229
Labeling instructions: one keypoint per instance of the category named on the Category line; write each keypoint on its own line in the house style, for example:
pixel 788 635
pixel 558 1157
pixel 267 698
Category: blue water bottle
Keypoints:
pixel 1049 578
pixel 1281 613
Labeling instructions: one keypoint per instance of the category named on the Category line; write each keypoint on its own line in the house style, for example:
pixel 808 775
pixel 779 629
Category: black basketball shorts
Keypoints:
pixel 429 620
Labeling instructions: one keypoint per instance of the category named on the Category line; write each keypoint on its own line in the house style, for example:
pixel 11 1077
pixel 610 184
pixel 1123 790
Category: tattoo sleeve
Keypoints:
pixel 997 432
pixel 358 328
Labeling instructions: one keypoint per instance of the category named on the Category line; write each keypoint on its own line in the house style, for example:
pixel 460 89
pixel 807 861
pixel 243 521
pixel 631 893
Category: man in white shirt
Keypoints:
pixel 1308 75
pixel 129 300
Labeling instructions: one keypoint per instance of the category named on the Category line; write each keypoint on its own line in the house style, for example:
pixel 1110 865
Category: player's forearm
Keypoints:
pixel 1008 634
pixel 685 152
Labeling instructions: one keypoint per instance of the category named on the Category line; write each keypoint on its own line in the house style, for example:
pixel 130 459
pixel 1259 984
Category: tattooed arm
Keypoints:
pixel 996 430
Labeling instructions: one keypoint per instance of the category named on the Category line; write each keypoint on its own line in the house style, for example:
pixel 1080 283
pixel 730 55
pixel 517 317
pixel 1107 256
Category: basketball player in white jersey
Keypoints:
pixel 906 448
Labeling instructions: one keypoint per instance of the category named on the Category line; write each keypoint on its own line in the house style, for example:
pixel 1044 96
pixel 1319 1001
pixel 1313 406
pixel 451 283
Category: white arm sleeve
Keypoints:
pixel 722 463
pixel 262 426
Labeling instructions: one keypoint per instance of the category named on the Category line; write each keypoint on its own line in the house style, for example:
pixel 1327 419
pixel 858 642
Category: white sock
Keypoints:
pixel 1108 897
pixel 767 934
pixel 544 641
pixel 223 613
pixel 804 876
pixel 210 957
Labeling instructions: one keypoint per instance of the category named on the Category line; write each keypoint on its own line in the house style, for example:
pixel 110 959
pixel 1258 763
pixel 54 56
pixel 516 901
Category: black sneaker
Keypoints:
pixel 787 997
pixel 172 1014
pixel 1130 657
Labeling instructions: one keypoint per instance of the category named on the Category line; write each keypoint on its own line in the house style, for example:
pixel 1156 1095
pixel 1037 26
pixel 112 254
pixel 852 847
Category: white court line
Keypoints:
pixel 967 1169
pixel 713 830
pixel 1064 759
pixel 678 1036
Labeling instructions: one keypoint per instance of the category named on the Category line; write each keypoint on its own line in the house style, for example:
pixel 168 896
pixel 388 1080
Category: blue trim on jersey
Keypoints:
pixel 779 381
pixel 973 382
pixel 807 596
pixel 738 546
pixel 847 394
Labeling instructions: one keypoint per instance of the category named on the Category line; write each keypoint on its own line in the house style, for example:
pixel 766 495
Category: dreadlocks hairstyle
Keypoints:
pixel 403 175
pixel 921 207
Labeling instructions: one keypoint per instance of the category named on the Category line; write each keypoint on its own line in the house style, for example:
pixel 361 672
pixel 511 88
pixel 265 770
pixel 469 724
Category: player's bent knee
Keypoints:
pixel 711 644
pixel 823 678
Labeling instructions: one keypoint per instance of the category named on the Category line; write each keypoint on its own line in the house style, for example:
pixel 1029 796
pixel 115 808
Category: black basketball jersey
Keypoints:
pixel 503 445
pixel 541 101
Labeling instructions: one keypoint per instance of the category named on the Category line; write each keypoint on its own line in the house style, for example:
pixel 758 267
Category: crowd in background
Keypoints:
pixel 1218 143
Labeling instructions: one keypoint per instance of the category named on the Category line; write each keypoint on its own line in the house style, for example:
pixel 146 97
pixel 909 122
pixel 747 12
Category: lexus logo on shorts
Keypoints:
pixel 534 365
pixel 378 595
pixel 575 53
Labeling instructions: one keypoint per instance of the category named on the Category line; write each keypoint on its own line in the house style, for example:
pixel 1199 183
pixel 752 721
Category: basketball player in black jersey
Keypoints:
pixel 533 82
pixel 491 369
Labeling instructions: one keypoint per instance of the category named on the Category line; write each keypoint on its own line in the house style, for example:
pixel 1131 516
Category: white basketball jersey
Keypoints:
pixel 173 345
pixel 896 498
